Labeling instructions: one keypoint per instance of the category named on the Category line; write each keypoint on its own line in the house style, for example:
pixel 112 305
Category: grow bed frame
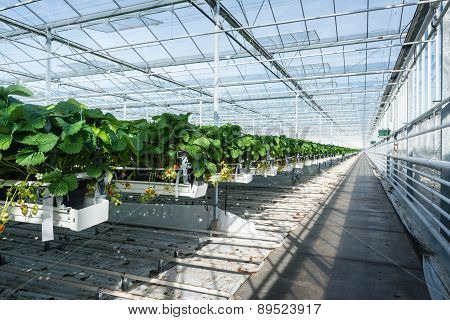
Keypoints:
pixel 196 189
pixel 238 176
pixel 271 172
pixel 89 212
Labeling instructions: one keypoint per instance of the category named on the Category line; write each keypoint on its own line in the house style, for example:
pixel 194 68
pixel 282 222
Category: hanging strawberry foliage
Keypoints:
pixel 52 144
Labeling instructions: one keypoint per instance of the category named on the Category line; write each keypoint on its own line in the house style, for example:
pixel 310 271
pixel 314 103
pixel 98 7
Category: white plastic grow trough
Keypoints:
pixel 242 178
pixel 271 172
pixel 298 165
pixel 196 190
pixel 238 178
pixel 92 212
pixel 89 213
pixel 288 168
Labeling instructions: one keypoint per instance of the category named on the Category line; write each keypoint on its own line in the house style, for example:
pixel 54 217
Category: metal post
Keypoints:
pixel 429 80
pixel 146 114
pixel 320 128
pixel 226 197
pixel 48 77
pixel 296 115
pixel 331 134
pixel 216 62
pixel 216 102
pixel 388 165
pixel 215 206
pixel 124 108
pixel 409 100
pixel 445 117
pixel 396 178
pixel 438 61
pixel 253 130
pixel 201 112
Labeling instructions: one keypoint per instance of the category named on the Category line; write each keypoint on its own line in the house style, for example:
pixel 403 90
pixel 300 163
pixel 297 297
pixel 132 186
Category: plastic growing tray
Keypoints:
pixel 242 178
pixel 195 190
pixel 271 172
pixel 239 178
pixel 299 165
pixel 92 212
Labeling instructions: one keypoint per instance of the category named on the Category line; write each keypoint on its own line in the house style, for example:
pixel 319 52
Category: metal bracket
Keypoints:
pixel 46 246
pixel 160 265
pixel 200 243
pixel 124 283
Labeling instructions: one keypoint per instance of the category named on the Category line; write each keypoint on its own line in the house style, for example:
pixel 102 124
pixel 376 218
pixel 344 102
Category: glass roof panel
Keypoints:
pixel 162 54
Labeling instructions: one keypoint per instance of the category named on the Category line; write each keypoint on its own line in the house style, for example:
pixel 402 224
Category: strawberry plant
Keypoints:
pixel 50 146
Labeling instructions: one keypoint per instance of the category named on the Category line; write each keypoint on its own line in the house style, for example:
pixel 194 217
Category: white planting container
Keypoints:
pixel 298 165
pixel 237 178
pixel 93 212
pixel 271 172
pixel 195 190
pixel 242 178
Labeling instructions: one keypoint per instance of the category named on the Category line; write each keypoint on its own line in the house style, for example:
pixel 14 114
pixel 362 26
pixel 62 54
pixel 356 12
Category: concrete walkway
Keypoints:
pixel 354 247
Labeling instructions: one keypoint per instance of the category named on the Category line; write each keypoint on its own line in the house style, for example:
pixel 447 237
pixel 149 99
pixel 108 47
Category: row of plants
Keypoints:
pixel 66 146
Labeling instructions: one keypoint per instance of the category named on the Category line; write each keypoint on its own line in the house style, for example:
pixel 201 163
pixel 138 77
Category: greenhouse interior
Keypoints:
pixel 224 149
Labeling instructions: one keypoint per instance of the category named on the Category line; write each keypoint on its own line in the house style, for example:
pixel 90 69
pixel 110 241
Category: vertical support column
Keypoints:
pixel 201 111
pixel 216 101
pixel 296 115
pixel 429 80
pixel 409 103
pixel 331 133
pixel 395 170
pixel 124 108
pixel 146 114
pixel 417 95
pixel 422 81
pixel 438 60
pixel 253 126
pixel 48 76
pixel 320 128
pixel 388 165
pixel 216 62
pixel 445 116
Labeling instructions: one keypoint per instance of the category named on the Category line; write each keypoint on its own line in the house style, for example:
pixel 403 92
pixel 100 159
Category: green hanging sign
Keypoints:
pixel 384 133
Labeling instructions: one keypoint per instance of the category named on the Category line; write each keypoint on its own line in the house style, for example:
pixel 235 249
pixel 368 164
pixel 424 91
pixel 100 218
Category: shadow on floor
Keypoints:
pixel 353 247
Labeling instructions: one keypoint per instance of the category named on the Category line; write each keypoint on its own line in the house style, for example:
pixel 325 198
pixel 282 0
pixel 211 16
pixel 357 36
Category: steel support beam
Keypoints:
pixel 107 57
pixel 216 61
pixel 89 18
pixel 48 76
pixel 419 24
pixel 248 36
pixel 445 117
